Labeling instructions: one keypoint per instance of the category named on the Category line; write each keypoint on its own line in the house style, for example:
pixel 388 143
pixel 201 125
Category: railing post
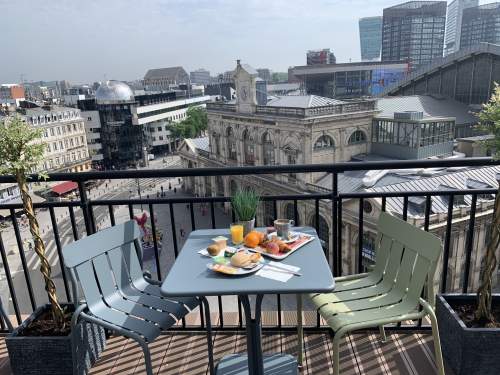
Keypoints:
pixel 335 249
pixel 85 206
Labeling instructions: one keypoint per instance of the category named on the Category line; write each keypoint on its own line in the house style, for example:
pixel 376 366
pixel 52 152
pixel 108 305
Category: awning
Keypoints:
pixel 65 187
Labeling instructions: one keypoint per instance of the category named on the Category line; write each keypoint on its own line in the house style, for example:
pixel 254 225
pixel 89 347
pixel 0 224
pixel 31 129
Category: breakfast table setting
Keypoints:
pixel 282 259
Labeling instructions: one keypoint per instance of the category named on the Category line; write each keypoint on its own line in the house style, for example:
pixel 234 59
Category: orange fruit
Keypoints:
pixel 252 239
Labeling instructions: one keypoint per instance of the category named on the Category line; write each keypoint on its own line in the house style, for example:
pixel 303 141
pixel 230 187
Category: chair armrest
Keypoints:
pixel 149 279
pixel 79 310
pixel 351 277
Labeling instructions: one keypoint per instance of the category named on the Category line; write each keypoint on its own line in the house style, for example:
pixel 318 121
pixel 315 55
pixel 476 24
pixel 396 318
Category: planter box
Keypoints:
pixel 467 350
pixel 53 354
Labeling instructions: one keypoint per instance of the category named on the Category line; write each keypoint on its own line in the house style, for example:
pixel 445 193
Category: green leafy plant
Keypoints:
pixel 21 153
pixel 489 120
pixel 245 203
pixel 192 126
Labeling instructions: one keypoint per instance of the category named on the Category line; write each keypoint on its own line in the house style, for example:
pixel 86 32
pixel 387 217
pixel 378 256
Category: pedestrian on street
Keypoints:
pixel 175 190
pixel 182 232
pixel 169 186
pixel 161 187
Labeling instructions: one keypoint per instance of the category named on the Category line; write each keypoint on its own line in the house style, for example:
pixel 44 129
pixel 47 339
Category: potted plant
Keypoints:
pixel 469 324
pixel 245 203
pixel 44 343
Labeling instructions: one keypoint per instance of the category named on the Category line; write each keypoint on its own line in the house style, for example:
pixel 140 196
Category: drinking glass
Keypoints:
pixel 236 230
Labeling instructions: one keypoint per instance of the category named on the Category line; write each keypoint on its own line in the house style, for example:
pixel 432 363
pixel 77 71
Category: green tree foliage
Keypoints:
pixel 192 126
pixel 21 153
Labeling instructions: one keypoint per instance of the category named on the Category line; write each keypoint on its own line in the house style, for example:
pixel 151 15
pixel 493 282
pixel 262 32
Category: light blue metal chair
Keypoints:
pixel 118 295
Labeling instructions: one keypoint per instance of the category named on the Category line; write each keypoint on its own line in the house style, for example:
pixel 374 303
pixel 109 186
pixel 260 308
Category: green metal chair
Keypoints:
pixel 406 258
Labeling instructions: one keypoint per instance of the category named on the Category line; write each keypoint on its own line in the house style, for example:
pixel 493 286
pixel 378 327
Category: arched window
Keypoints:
pixel 231 144
pixel 357 137
pixel 220 185
pixel 323 231
pixel 233 187
pixel 269 213
pixel 249 148
pixel 324 142
pixel 267 149
pixel 290 213
pixel 216 139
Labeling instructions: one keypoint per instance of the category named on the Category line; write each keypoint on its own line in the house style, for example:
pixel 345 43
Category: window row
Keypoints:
pixel 61 145
pixel 327 142
pixel 59 130
pixel 64 159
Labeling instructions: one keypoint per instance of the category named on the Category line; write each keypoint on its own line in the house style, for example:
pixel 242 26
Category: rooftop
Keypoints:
pixel 432 106
pixel 169 73
pixel 486 177
pixel 302 101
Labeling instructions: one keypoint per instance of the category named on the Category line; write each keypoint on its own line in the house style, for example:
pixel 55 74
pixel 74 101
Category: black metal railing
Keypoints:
pixel 85 210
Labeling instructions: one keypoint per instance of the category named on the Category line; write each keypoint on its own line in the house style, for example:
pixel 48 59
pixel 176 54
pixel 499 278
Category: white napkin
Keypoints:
pixel 272 273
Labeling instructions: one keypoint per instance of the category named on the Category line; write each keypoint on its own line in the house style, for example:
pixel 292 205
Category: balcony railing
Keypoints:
pixel 166 211
pixel 337 109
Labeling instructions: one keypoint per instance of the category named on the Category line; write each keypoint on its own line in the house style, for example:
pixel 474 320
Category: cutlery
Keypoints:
pixel 281 269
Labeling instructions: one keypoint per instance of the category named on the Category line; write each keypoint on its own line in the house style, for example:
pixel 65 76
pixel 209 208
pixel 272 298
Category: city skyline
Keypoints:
pixel 122 40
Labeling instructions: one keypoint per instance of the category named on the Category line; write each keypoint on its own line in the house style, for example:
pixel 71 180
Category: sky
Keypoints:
pixel 83 41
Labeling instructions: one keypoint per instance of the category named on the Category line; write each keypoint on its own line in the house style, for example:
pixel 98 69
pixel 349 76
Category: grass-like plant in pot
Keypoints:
pixel 245 203
pixel 45 334
pixel 469 324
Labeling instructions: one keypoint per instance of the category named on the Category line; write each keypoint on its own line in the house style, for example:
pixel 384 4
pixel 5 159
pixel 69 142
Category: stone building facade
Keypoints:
pixel 310 130
pixel 64 135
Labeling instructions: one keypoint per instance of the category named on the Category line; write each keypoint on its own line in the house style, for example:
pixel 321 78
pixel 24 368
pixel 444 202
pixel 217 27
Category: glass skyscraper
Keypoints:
pixel 414 32
pixel 454 24
pixel 481 24
pixel 370 38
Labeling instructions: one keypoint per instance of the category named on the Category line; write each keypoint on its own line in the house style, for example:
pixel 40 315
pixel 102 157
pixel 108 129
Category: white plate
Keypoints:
pixel 294 236
pixel 239 271
pixel 280 256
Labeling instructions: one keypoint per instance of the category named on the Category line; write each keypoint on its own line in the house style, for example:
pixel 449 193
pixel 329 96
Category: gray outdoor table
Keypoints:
pixel 190 276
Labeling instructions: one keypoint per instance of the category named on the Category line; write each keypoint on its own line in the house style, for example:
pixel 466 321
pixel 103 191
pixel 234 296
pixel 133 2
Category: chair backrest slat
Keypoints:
pixel 98 243
pixel 413 257
pixel 382 250
pixel 104 261
pixel 86 277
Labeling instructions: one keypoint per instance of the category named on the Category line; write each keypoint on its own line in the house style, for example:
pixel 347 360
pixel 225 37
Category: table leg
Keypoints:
pixel 300 331
pixel 206 307
pixel 254 330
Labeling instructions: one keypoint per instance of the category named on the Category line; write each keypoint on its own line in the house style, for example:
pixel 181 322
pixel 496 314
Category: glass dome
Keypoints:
pixel 114 92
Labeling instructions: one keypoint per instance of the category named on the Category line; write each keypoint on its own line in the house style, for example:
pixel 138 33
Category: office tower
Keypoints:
pixel 414 32
pixel 454 24
pixel 481 24
pixel 370 38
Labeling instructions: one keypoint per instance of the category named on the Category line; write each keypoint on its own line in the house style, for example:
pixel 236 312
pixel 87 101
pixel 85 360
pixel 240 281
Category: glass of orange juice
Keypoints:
pixel 236 230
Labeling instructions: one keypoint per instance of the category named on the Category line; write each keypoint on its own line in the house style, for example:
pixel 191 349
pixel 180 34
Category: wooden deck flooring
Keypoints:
pixel 185 353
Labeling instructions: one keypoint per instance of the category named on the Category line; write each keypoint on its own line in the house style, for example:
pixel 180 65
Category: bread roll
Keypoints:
pixel 213 249
pixel 241 259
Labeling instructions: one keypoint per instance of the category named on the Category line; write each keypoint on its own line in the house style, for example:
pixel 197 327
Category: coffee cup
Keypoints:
pixel 283 227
